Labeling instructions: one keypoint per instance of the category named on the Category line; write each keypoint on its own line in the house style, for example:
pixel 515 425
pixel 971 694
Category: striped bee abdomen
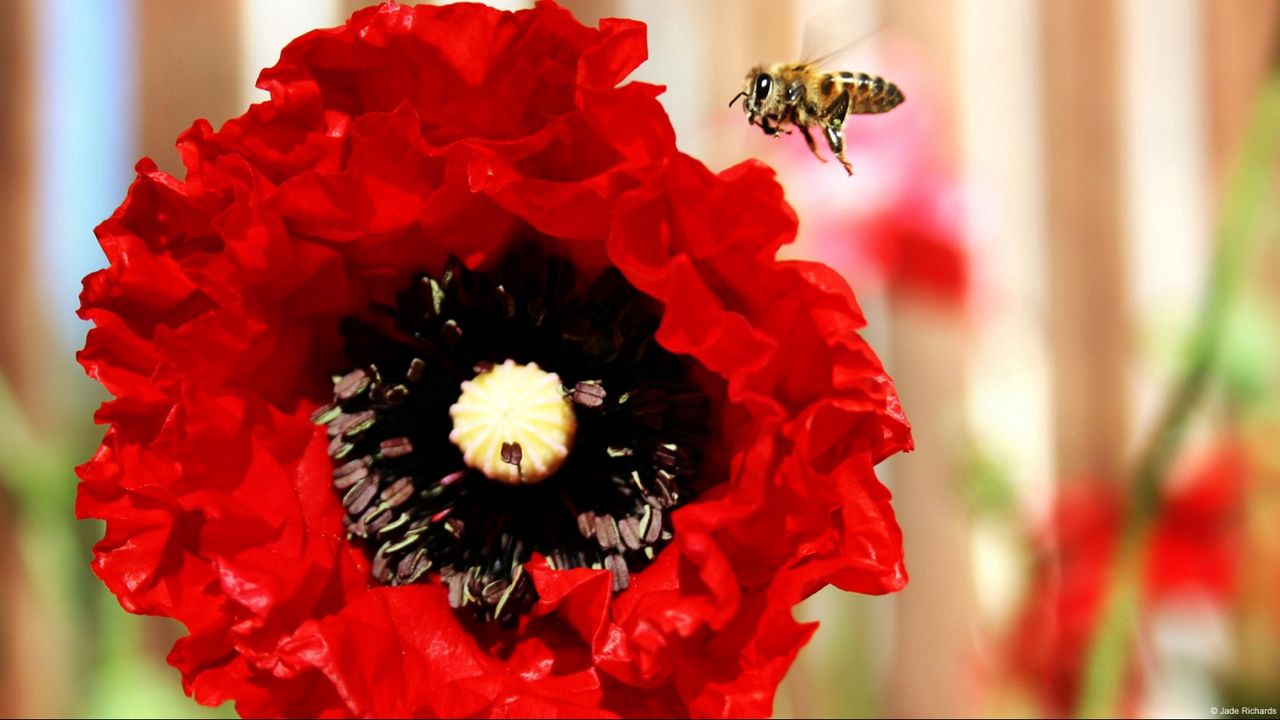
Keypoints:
pixel 867 93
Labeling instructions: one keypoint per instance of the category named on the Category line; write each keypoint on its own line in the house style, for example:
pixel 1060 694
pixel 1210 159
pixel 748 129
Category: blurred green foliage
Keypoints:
pixel 101 661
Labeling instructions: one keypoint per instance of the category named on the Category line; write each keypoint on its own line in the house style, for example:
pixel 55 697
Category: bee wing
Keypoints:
pixel 836 27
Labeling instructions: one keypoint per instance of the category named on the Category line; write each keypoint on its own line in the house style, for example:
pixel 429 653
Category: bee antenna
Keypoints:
pixel 735 98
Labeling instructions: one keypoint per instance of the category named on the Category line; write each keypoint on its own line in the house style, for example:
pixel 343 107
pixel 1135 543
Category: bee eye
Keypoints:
pixel 763 83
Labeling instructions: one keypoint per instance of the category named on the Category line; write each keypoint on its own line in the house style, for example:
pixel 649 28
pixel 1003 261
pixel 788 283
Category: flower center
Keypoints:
pixel 513 423
pixel 450 437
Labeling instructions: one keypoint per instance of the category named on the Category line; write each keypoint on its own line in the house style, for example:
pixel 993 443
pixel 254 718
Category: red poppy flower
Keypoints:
pixel 444 212
pixel 1192 553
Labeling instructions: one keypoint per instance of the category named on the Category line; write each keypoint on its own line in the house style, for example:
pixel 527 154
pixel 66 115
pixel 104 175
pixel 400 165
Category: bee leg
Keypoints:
pixel 808 138
pixel 773 130
pixel 787 116
pixel 835 139
pixel 834 126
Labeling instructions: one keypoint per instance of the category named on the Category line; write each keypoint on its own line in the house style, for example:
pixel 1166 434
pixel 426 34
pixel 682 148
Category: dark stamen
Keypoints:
pixel 589 394
pixel 512 453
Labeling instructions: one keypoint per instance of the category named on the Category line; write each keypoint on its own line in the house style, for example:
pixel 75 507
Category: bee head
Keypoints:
pixel 756 89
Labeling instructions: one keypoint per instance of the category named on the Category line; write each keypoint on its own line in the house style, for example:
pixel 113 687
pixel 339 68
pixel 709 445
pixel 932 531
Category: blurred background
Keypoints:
pixel 1067 246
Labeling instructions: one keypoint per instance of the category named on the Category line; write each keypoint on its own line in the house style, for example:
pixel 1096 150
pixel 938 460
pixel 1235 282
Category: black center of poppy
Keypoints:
pixel 420 511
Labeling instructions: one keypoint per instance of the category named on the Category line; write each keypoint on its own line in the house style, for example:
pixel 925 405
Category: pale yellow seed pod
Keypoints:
pixel 513 423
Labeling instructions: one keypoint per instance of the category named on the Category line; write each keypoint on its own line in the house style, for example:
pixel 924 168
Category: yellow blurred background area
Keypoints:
pixel 1066 243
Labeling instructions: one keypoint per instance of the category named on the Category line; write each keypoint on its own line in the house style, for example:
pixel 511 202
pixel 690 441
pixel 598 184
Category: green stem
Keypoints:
pixel 1243 208
pixel 1107 661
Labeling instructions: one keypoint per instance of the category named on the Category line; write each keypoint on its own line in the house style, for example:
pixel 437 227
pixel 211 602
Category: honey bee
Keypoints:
pixel 801 94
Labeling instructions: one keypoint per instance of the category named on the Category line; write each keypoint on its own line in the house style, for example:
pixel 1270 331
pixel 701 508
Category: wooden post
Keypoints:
pixel 933 616
pixel 1242 38
pixel 1089 338
pixel 926 355
pixel 187 69
pixel 24 342
pixel 37 672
